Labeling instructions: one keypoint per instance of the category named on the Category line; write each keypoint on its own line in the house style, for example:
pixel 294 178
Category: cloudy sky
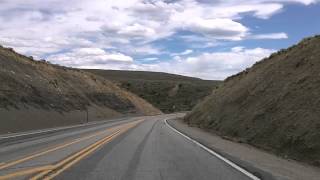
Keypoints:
pixel 210 39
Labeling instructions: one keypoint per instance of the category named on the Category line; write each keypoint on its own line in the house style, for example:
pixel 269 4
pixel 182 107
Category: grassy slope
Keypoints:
pixel 168 92
pixel 273 105
pixel 27 85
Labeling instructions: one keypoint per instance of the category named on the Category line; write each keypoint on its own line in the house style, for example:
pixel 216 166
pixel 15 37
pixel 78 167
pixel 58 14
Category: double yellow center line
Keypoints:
pixel 9 164
pixel 50 171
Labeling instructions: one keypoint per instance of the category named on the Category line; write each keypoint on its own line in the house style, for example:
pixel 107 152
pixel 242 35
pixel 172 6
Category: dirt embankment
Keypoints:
pixel 274 105
pixel 30 89
pixel 168 92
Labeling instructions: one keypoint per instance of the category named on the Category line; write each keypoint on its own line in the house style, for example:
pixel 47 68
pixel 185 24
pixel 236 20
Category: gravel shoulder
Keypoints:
pixel 259 162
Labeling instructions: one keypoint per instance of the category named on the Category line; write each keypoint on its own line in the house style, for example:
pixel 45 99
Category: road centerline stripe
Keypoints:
pixel 69 159
pixel 25 172
pixel 67 163
pixel 52 149
pixel 48 168
pixel 58 147
pixel 52 170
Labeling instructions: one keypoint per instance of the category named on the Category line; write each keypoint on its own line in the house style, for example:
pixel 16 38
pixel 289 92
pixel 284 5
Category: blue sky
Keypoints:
pixel 209 39
pixel 296 20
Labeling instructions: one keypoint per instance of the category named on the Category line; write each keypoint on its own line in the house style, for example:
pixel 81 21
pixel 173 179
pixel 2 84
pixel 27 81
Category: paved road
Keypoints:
pixel 142 148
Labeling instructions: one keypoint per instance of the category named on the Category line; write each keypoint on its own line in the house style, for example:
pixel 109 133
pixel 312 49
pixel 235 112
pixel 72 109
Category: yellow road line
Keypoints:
pixel 6 165
pixel 74 157
pixel 66 166
pixel 67 163
pixel 43 168
pixel 25 172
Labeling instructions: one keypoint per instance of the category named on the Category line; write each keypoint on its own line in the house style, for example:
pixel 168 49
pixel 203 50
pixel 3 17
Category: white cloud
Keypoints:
pixel 186 52
pixel 258 9
pixel 217 65
pixel 108 23
pixel 141 49
pixel 217 28
pixel 83 57
pixel 305 2
pixel 109 33
pixel 237 49
pixel 270 36
pixel 150 59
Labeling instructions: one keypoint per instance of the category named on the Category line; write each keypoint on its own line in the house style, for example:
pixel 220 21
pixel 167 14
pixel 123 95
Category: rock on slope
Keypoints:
pixel 274 105
pixel 168 92
pixel 36 94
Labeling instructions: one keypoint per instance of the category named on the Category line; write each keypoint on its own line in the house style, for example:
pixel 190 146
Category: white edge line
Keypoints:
pixel 250 175
pixel 44 131
pixel 55 129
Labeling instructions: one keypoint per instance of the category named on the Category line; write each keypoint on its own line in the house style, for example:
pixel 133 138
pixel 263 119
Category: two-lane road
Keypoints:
pixel 143 148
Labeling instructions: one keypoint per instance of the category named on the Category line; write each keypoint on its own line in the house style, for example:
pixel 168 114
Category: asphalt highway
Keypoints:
pixel 139 148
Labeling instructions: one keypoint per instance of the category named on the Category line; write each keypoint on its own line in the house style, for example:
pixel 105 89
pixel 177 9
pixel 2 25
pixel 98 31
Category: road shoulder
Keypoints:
pixel 258 162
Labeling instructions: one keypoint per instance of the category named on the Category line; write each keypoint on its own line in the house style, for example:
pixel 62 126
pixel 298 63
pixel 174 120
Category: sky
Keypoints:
pixel 209 39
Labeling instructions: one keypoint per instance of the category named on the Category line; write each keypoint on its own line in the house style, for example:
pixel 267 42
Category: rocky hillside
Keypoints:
pixel 36 94
pixel 168 92
pixel 274 105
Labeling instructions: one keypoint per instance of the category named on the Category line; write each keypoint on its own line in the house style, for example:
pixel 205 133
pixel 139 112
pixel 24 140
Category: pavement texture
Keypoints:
pixel 141 148
pixel 261 163
pixel 152 151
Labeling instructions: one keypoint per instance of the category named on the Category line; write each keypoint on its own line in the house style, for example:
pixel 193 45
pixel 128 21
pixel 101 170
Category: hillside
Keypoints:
pixel 168 92
pixel 36 94
pixel 274 105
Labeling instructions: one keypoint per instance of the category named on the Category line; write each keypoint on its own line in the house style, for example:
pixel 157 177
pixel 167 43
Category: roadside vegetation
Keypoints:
pixel 36 94
pixel 168 92
pixel 273 105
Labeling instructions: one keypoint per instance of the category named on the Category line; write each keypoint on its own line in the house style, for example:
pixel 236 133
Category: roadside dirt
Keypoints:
pixel 274 105
pixel 37 94
pixel 263 164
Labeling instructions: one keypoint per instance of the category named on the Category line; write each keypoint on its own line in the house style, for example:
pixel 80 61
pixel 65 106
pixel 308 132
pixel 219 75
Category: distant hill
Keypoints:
pixel 274 105
pixel 36 94
pixel 168 92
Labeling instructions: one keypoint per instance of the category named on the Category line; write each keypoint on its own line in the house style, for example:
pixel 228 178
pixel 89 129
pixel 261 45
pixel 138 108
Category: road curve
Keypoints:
pixel 142 148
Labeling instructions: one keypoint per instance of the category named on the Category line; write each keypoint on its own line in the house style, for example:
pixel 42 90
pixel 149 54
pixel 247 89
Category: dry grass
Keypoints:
pixel 273 105
pixel 26 83
pixel 168 92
